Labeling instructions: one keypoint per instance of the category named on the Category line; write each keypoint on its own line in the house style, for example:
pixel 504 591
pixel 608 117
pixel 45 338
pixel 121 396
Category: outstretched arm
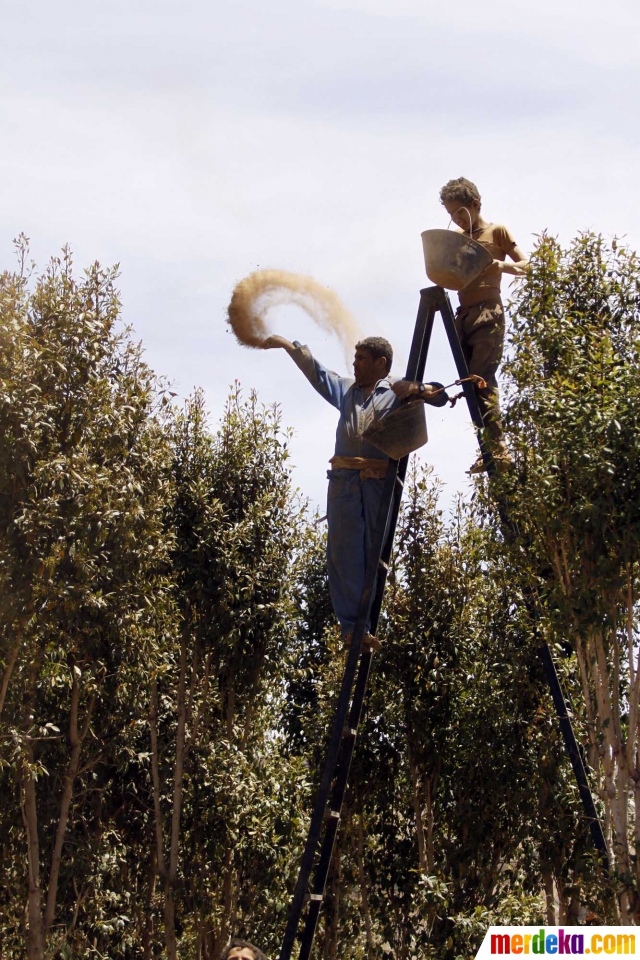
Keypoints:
pixel 328 384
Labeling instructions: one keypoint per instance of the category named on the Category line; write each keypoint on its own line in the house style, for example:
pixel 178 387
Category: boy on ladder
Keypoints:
pixel 480 316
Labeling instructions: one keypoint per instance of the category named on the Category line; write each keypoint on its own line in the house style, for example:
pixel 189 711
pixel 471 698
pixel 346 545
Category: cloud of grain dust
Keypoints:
pixel 258 293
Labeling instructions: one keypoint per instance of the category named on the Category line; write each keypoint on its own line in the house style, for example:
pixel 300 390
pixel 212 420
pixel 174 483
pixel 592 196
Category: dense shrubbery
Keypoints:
pixel 169 665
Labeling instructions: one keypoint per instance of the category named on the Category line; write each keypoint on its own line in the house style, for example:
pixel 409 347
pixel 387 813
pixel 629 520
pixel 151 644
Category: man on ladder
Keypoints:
pixel 358 467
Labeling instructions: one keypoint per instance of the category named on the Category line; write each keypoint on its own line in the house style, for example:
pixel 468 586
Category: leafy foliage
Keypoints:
pixel 170 662
pixel 575 499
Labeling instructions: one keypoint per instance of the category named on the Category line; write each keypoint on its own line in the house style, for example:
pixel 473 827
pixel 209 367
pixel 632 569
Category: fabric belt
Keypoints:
pixel 370 467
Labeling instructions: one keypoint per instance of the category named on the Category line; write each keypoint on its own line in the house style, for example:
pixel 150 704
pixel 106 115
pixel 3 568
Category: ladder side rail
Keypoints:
pixel 446 312
pixel 322 796
pixel 575 755
pixel 415 371
pixel 333 822
pixel 348 746
pixel 444 305
pixel 568 734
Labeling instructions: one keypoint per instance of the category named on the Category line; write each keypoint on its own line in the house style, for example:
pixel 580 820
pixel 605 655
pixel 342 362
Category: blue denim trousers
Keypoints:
pixel 352 512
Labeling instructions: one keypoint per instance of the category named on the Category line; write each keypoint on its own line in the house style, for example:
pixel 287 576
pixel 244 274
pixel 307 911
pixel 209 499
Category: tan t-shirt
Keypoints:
pixel 499 242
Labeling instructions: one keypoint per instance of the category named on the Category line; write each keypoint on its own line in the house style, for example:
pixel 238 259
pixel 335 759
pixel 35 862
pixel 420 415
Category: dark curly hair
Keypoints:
pixel 377 347
pixel 461 190
pixel 235 943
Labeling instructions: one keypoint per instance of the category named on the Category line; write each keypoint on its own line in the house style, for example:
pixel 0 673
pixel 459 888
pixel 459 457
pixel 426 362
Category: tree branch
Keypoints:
pixel 9 670
pixel 153 728
pixel 75 741
pixel 30 820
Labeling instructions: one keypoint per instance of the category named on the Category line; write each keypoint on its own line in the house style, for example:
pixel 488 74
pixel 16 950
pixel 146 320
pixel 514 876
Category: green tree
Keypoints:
pixel 216 714
pixel 169 660
pixel 576 499
pixel 83 466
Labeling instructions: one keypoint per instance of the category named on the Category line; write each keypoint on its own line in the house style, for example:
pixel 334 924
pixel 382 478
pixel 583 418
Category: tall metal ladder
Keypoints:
pixel 344 729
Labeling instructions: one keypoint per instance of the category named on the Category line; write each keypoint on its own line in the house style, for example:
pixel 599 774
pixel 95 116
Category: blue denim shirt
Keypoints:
pixel 356 411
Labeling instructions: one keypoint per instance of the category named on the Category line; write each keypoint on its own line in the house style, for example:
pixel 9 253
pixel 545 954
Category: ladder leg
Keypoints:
pixel 415 371
pixel 444 305
pixel 315 826
pixel 441 298
pixel 572 748
pixel 335 809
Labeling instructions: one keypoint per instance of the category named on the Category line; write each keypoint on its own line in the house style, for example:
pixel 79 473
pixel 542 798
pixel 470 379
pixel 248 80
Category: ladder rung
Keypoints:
pixel 318 897
pixel 332 814
pixel 349 732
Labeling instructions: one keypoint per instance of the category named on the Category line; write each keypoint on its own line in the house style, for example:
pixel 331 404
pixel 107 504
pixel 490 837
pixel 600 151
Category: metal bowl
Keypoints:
pixel 453 260
pixel 401 432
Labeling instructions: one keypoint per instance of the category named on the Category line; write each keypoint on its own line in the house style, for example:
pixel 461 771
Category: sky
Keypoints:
pixel 195 142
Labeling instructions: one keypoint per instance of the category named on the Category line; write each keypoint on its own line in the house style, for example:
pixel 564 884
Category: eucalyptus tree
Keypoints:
pixel 83 468
pixel 170 668
pixel 576 499
pixel 147 566
pixel 226 793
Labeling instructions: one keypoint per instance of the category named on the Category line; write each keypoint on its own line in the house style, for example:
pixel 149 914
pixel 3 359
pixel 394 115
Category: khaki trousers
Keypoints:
pixel 481 332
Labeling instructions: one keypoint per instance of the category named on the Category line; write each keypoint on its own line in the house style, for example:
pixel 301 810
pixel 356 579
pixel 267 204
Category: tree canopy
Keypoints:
pixel 169 660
